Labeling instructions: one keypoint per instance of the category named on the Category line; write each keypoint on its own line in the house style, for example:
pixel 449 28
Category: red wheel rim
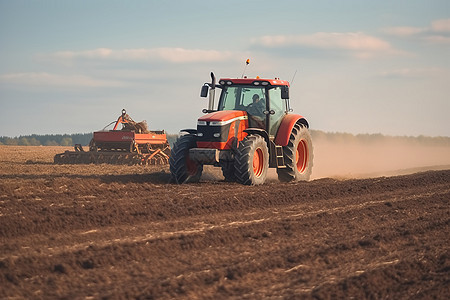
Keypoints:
pixel 301 156
pixel 258 162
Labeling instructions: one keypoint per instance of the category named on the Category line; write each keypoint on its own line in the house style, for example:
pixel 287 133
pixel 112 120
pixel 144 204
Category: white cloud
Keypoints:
pixel 403 31
pixel 326 40
pixel 437 33
pixel 441 25
pixel 415 73
pixel 172 55
pixel 357 43
pixel 56 80
pixel 438 39
pixel 92 54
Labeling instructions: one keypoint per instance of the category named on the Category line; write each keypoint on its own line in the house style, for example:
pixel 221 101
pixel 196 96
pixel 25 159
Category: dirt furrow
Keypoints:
pixel 106 236
pixel 104 231
pixel 239 253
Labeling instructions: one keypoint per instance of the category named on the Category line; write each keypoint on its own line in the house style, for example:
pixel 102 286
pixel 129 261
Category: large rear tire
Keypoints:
pixel 298 156
pixel 252 160
pixel 183 169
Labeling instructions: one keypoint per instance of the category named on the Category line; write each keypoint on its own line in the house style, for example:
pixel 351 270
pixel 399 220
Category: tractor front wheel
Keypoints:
pixel 228 171
pixel 298 156
pixel 252 160
pixel 182 168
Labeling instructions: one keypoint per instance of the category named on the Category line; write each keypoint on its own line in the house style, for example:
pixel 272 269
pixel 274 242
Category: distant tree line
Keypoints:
pixel 339 137
pixel 58 139
pixel 48 140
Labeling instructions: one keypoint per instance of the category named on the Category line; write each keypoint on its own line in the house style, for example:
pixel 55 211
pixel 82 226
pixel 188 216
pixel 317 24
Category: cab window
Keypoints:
pixel 278 106
pixel 239 97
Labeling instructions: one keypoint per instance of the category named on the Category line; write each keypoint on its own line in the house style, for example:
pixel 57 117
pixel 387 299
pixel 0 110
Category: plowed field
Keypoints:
pixel 100 231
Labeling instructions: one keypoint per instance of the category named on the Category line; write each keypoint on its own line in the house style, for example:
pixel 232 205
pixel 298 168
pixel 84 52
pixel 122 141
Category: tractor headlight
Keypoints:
pixel 216 135
pixel 217 123
pixel 201 123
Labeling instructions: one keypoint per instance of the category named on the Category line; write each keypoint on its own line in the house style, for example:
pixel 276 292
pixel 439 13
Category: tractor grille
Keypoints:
pixel 207 133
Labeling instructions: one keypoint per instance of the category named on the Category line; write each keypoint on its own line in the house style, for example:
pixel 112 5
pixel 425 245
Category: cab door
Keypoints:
pixel 277 105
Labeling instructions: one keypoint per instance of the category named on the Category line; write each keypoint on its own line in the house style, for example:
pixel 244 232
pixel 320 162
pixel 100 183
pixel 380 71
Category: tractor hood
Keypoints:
pixel 221 129
pixel 223 117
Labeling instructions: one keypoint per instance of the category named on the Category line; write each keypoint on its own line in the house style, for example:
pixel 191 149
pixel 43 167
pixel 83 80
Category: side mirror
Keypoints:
pixel 204 92
pixel 284 92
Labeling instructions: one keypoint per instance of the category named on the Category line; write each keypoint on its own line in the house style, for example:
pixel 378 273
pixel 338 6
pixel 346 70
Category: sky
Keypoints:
pixel 354 66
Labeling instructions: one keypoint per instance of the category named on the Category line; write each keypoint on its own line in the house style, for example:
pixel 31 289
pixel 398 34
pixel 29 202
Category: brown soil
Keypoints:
pixel 100 231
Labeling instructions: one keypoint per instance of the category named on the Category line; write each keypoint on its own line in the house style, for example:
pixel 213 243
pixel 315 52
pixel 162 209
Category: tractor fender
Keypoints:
pixel 188 131
pixel 260 132
pixel 285 129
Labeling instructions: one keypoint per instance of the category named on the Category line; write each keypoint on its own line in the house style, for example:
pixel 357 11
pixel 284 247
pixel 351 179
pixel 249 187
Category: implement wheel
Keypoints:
pixel 298 156
pixel 183 169
pixel 251 160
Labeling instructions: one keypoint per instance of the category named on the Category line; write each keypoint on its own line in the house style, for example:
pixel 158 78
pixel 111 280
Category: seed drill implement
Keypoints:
pixel 132 144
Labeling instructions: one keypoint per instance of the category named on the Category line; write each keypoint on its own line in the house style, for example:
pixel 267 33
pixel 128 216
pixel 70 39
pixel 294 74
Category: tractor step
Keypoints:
pixel 279 156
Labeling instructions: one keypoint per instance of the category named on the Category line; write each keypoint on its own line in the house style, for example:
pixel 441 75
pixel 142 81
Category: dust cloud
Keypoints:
pixel 347 156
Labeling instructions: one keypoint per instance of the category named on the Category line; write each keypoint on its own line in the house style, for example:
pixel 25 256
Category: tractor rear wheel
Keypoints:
pixel 298 156
pixel 251 160
pixel 183 169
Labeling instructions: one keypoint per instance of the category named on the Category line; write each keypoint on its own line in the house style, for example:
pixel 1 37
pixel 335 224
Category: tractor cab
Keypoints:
pixel 265 101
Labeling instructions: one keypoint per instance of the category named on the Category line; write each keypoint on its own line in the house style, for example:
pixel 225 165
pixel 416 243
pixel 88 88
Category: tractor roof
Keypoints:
pixel 253 81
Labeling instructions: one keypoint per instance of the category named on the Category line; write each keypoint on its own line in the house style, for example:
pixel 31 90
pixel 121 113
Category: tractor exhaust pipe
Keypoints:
pixel 212 92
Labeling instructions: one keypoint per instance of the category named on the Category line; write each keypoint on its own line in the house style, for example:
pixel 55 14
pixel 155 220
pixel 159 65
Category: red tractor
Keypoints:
pixel 251 131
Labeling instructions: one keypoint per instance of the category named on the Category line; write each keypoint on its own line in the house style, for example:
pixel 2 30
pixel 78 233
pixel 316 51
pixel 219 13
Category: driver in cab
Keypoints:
pixel 256 110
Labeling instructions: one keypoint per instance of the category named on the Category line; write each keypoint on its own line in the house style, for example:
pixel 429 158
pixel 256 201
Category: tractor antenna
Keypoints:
pixel 292 80
pixel 247 62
